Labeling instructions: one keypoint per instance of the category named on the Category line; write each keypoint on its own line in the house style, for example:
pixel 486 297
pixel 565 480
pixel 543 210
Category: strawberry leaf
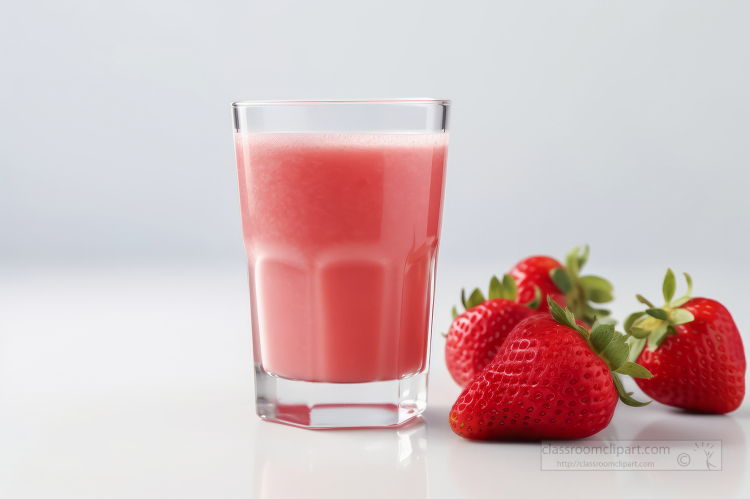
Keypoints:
pixel 632 319
pixel 476 298
pixel 571 318
pixel 634 370
pixel 581 291
pixel 625 396
pixel 656 338
pixel 455 313
pixel 617 351
pixel 561 279
pixel 508 289
pixel 566 318
pixel 495 288
pixel 651 330
pixel 572 261
pixel 601 336
pixel 597 312
pixel 597 322
pixel 681 301
pixel 558 313
pixel 658 313
pixel 639 332
pixel 463 298
pixel 670 286
pixel 679 316
pixel 689 283
pixel 583 258
pixel 644 301
pixel 596 289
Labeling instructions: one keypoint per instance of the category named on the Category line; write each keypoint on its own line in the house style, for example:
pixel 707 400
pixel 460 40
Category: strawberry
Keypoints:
pixel 552 379
pixel 563 284
pixel 475 336
pixel 535 272
pixel 693 348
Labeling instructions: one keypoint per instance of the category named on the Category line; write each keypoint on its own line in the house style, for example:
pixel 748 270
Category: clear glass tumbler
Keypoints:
pixel 341 211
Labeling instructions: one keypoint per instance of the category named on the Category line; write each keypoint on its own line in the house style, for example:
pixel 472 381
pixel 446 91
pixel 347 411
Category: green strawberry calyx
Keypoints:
pixel 498 289
pixel 611 346
pixel 651 327
pixel 580 290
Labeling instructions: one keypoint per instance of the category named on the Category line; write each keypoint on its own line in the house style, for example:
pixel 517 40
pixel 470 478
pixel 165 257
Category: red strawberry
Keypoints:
pixel 563 284
pixel 551 379
pixel 475 336
pixel 694 351
pixel 535 271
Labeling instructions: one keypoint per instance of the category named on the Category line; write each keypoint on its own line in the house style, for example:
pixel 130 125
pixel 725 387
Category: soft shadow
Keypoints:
pixel 482 469
pixel 681 425
pixel 293 462
pixel 436 418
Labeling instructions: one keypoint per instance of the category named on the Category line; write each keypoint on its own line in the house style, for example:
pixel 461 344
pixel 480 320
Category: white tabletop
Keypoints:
pixel 136 381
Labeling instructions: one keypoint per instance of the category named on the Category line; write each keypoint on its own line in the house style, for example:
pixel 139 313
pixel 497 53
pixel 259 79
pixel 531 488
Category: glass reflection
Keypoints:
pixel 291 462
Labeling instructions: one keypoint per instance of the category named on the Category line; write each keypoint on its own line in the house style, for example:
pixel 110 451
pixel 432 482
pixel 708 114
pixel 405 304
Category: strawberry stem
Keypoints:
pixel 651 327
pixel 580 290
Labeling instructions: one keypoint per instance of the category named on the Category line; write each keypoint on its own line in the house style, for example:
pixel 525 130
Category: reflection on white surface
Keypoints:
pixel 138 383
pixel 519 463
pixel 676 425
pixel 292 462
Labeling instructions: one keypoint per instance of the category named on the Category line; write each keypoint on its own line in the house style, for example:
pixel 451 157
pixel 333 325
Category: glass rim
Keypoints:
pixel 405 101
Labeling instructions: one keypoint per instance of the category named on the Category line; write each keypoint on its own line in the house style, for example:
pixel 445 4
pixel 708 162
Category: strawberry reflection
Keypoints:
pixel 291 462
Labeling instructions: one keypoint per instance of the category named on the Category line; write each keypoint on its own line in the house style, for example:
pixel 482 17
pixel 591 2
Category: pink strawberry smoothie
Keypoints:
pixel 341 233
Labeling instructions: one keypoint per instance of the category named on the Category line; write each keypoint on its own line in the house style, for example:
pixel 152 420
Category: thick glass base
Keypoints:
pixel 339 405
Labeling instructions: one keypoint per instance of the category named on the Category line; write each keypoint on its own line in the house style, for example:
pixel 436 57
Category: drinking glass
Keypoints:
pixel 341 210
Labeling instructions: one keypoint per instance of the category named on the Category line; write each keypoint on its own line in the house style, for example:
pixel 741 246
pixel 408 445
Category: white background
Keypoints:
pixel 124 343
pixel 623 124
